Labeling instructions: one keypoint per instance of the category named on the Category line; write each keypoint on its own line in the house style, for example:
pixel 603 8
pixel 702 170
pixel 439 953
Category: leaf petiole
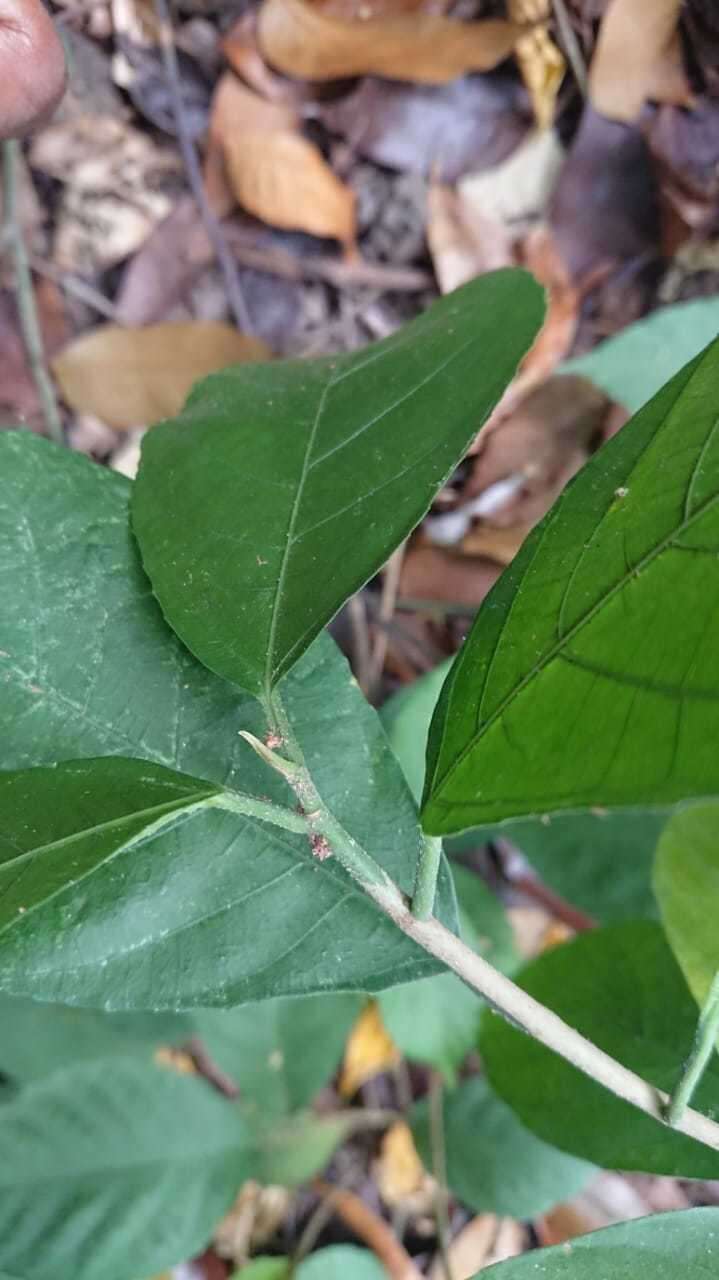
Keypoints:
pixel 705 1039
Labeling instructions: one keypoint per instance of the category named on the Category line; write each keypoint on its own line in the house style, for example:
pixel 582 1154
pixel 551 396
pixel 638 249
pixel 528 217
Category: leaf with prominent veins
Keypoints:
pixel 281 488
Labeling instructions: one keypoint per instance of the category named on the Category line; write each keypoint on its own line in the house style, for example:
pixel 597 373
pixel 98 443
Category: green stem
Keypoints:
pixel 264 810
pixel 705 1039
pixel 25 295
pixel 425 884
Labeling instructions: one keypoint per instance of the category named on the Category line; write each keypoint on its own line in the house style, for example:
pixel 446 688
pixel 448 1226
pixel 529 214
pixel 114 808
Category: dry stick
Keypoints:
pixel 27 310
pixel 387 606
pixel 235 297
pixel 439 1169
pixel 372 1229
pixel 75 285
pixel 358 272
pixel 572 47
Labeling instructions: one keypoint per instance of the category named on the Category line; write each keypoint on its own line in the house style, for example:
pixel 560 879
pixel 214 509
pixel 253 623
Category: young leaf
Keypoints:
pixel 686 882
pixel 91 1186
pixel 668 1246
pixel 494 1164
pixel 621 988
pixel 589 676
pixel 269 920
pixel 280 489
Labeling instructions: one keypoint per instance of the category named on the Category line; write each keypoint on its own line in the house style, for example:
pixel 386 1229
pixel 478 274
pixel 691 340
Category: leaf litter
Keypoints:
pixel 360 156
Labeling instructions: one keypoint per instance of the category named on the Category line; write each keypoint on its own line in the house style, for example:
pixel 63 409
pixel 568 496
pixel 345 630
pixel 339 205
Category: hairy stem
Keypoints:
pixel 425 884
pixel 701 1051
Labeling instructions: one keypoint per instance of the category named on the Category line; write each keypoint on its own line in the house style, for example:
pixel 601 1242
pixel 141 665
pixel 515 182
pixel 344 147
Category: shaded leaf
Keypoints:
pixel 686 882
pixel 72 584
pixel 303 463
pixel 91 1186
pixel 664 1247
pixel 621 988
pixel 344 1260
pixel 301 40
pixel 131 377
pixel 493 1163
pixel 586 617
pixel 634 365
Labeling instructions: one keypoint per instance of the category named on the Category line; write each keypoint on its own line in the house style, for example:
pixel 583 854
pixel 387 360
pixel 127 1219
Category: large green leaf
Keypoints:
pixel 89 668
pixel 451 1012
pixel 669 1246
pixel 281 488
pixel 494 1164
pixel 622 988
pixel 115 1168
pixel 635 364
pixel 686 881
pixel 589 677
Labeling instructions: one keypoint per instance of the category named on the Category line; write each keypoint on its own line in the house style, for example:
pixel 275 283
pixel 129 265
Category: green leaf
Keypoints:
pixel 341 1260
pixel 494 1164
pixel 72 585
pixel 406 717
pixel 92 1186
pixel 451 1013
pixel 293 1151
pixel 264 1269
pixel 621 988
pixel 668 1246
pixel 589 676
pixel 282 488
pixel 635 364
pixel 686 882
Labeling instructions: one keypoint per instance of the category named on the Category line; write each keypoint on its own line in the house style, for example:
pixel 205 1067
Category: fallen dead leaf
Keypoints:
pixel 637 56
pixel 300 39
pixel 463 242
pixel 485 1240
pixel 448 130
pixel 433 573
pixel 402 1180
pixel 369 1051
pixel 517 192
pixel 240 47
pixel 271 169
pixel 131 377
pixel 541 63
pixel 255 1217
pixel 118 184
pixel 500 545
pixel 541 256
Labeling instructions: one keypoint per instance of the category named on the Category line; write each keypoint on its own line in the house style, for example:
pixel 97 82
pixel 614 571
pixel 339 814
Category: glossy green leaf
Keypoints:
pixel 632 366
pixel 341 1262
pixel 282 488
pixel 589 678
pixel 177 932
pixel 115 1168
pixel 451 1013
pixel 668 1246
pixel 686 881
pixel 494 1164
pixel 622 988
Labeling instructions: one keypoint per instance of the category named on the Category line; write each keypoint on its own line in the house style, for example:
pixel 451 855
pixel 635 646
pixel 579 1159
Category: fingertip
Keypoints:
pixel 33 70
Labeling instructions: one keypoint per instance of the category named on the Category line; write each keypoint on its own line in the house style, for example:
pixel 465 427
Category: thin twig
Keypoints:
pixel 572 47
pixel 372 1229
pixel 702 1049
pixel 25 294
pixel 439 1169
pixel 208 1068
pixel 358 272
pixel 387 605
pixel 361 648
pixel 235 297
pixel 78 287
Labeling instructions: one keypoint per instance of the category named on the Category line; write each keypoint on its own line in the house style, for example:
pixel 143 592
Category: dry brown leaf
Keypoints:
pixel 500 545
pixel 271 169
pixel 517 191
pixel 540 61
pixel 302 40
pixel 402 1180
pixel 255 1217
pixel 635 55
pixel 463 242
pixel 432 573
pixel 485 1240
pixel 128 377
pixel 369 1051
pixel 241 49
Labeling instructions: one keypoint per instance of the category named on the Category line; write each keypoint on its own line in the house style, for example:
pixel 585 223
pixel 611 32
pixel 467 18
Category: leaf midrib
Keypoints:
pixel 556 649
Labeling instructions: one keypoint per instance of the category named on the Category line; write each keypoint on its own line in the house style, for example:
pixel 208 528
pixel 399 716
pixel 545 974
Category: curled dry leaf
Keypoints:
pixel 637 56
pixel 302 40
pixel 402 1179
pixel 271 169
pixel 370 1050
pixel 462 240
pixel 540 61
pixel 129 377
pixel 485 1240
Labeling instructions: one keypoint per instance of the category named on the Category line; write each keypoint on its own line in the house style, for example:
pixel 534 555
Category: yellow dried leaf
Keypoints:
pixel 401 1176
pixel 302 40
pixel 271 169
pixel 369 1050
pixel 635 38
pixel 132 377
pixel 540 61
